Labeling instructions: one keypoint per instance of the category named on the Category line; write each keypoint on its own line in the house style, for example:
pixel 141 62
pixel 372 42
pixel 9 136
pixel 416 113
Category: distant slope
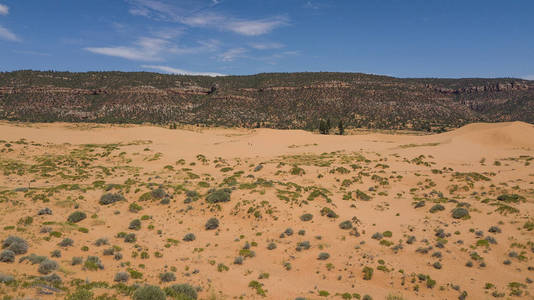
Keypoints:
pixel 276 100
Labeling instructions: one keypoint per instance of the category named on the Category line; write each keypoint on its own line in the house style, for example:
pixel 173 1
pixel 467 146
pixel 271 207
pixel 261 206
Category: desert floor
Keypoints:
pixel 300 214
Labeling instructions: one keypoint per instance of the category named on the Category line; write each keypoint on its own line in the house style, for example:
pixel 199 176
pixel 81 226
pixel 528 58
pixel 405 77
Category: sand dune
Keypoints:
pixel 403 187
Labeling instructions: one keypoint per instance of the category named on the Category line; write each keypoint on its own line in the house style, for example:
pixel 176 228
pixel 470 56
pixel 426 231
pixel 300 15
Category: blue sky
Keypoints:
pixel 405 38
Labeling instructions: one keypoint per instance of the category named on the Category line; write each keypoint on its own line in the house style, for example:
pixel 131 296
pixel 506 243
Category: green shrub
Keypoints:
pixel 436 208
pixel 323 256
pixel 47 266
pixel 134 207
pixel 107 199
pixel 15 244
pixel 295 170
pixel 76 217
pixel 514 198
pixel 7 256
pixel 367 273
pixel 306 217
pixel 212 223
pixel 130 238
pixel 135 224
pixel 181 291
pixel 189 237
pixel 220 195
pixel 149 292
pixel 80 294
pixel 362 196
pixel 121 277
pixel 66 242
pixel 93 263
pixel 460 213
pixel 345 225
pixel 325 211
pixel 167 277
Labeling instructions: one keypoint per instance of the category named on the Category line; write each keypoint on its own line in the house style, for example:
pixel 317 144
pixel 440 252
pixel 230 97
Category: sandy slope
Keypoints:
pixel 473 148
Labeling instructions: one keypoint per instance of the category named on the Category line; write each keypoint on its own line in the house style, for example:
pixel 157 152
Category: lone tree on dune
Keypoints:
pixel 323 127
pixel 341 128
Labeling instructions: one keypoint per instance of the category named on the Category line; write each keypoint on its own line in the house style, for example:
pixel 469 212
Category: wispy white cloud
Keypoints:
pixel 266 46
pixel 5 34
pixel 153 49
pixel 529 77
pixel 311 5
pixel 145 49
pixel 30 52
pixel 171 70
pixel 4 10
pixel 195 15
pixel 255 27
pixel 232 54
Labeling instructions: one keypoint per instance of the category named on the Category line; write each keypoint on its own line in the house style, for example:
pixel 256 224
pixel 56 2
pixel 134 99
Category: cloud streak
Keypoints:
pixel 231 54
pixel 197 16
pixel 153 49
pixel 5 34
pixel 266 46
pixel 4 10
pixel 171 70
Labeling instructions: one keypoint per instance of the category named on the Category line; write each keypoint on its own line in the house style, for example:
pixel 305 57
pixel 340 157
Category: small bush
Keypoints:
pixel 15 244
pixel 7 256
pixel 76 261
pixel 76 217
pixel 514 198
pixel 66 242
pixel 436 208
pixel 181 291
pixel 238 260
pixel 55 253
pixel 271 246
pixel 93 263
pixel 8 278
pixel 34 259
pixel 306 217
pixel 149 292
pixel 345 225
pixel 107 199
pixel 325 211
pixel 367 273
pixel 135 224
pixel 220 195
pixel 45 211
pixel 323 256
pixel 101 241
pixel 460 213
pixel 130 238
pixel 80 294
pixel 212 223
pixel 167 277
pixel 189 237
pixel 52 278
pixel 108 251
pixel 121 277
pixel 134 207
pixel 305 245
pixel 362 196
pixel 47 266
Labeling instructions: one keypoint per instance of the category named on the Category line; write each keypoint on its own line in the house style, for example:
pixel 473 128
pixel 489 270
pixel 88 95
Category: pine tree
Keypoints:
pixel 322 126
pixel 340 128
pixel 328 126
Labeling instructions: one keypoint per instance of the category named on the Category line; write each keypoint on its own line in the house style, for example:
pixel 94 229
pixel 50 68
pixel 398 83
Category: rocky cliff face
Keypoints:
pixel 293 100
pixel 496 87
